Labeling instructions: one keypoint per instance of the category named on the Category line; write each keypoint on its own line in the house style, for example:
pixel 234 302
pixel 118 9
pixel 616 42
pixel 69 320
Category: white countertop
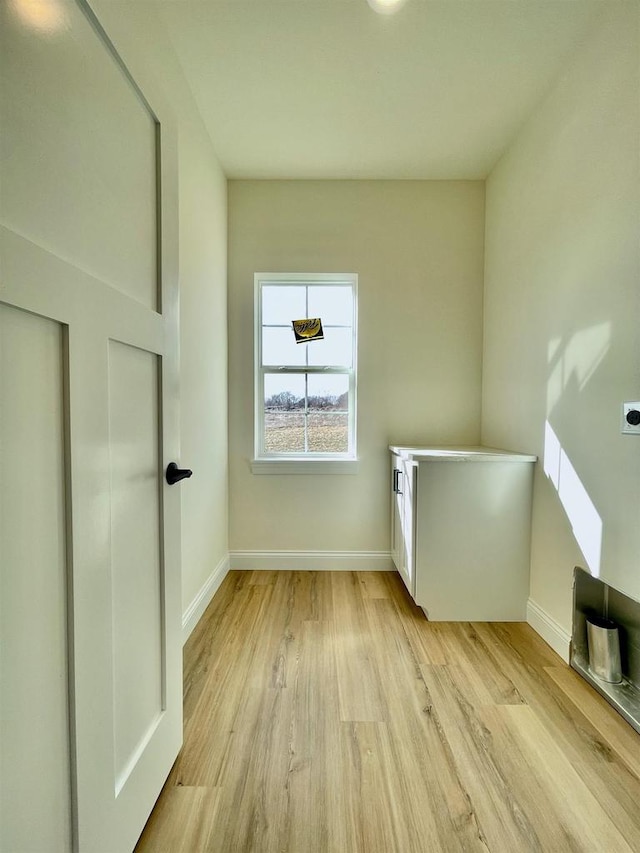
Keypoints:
pixel 459 454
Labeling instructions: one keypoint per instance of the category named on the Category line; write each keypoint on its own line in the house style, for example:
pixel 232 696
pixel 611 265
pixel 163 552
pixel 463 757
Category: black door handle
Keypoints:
pixel 175 474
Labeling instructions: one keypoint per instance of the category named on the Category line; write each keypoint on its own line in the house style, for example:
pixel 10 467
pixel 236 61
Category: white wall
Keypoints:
pixel 418 250
pixel 140 37
pixel 203 363
pixel 562 312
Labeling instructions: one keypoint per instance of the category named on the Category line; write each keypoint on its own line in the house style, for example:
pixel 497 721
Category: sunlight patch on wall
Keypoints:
pixel 579 360
pixel 553 349
pixel 581 512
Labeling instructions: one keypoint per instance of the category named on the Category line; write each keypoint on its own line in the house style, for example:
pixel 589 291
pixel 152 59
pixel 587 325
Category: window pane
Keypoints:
pixel 328 393
pixel 283 392
pixel 336 350
pixel 283 432
pixel 328 433
pixel 334 305
pixel 279 347
pixel 281 305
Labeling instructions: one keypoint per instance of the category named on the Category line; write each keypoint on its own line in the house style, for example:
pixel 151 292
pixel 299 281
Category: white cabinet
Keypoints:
pixel 461 529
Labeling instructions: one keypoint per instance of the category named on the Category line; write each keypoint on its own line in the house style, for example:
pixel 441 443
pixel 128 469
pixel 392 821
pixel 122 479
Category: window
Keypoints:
pixel 305 392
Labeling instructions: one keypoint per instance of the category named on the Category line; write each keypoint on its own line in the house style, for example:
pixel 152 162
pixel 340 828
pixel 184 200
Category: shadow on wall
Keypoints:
pixel 574 365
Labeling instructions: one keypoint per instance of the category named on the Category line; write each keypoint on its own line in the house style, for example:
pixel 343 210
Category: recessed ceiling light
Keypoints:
pixel 386 7
pixel 45 16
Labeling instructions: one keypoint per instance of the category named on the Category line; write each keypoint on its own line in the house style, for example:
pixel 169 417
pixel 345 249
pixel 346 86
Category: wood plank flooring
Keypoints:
pixel 324 714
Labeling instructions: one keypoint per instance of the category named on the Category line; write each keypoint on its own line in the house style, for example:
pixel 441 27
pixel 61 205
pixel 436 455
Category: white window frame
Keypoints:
pixel 265 462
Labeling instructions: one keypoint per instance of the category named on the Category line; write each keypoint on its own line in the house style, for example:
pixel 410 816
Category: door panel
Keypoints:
pixel 136 566
pixel 34 713
pixel 88 195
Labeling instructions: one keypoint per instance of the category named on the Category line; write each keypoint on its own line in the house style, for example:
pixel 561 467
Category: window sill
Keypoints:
pixel 304 466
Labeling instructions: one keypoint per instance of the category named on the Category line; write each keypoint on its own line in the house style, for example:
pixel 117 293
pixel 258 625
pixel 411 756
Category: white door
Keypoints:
pixel 90 540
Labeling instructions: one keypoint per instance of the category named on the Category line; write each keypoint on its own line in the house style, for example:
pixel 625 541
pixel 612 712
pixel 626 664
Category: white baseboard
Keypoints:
pixel 312 561
pixel 551 631
pixel 194 611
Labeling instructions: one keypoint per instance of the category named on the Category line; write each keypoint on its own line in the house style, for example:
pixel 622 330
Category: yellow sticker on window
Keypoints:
pixel 308 330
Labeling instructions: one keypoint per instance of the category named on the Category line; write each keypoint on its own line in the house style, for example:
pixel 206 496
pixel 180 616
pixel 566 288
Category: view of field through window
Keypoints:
pixel 306 413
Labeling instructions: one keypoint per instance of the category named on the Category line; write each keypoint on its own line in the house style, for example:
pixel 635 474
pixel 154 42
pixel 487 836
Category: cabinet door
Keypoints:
pixel 402 520
pixel 397 510
pixel 407 485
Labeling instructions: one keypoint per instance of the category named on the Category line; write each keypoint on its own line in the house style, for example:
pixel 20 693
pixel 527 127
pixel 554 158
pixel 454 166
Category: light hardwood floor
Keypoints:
pixel 324 713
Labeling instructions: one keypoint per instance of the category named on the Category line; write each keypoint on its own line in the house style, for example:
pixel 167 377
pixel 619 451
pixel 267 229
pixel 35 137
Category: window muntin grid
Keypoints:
pixel 305 393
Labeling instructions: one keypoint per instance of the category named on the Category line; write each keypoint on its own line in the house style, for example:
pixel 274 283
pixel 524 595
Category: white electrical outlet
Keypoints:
pixel 631 418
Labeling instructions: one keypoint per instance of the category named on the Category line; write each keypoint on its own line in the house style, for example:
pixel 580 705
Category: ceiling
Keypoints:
pixel 330 89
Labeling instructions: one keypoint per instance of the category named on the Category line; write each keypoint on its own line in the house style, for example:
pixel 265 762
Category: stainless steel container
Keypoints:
pixel 603 639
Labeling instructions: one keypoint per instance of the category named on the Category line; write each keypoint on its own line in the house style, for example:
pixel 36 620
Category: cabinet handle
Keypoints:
pixel 396 481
